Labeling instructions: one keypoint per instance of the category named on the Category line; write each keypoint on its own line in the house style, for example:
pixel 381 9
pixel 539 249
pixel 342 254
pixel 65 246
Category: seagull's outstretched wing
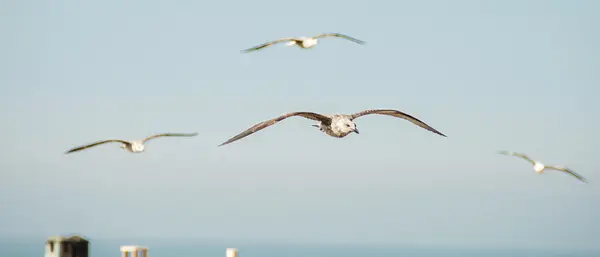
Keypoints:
pixel 264 124
pixel 567 170
pixel 397 114
pixel 258 47
pixel 525 157
pixel 358 41
pixel 95 144
pixel 170 135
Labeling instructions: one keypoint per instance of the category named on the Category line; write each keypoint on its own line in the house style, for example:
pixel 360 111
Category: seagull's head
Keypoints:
pixel 346 126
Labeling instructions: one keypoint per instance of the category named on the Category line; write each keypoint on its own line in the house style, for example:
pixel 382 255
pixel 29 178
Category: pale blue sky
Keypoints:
pixel 514 75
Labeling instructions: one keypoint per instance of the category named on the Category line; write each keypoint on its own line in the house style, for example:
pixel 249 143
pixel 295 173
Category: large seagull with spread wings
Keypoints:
pixel 539 167
pixel 336 125
pixel 133 146
pixel 303 42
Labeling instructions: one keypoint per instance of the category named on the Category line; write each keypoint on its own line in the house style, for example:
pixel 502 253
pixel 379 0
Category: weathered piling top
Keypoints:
pixel 71 239
pixel 67 246
pixel 135 249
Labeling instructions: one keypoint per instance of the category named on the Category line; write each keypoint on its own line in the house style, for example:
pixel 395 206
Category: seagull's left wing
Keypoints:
pixel 358 41
pixel 397 114
pixel 170 135
pixel 567 170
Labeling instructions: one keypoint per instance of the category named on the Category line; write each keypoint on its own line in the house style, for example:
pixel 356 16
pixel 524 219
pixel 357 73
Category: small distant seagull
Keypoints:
pixel 540 167
pixel 303 42
pixel 336 125
pixel 134 146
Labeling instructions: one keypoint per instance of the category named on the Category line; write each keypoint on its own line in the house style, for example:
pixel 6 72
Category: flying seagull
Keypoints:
pixel 303 42
pixel 540 167
pixel 133 146
pixel 336 125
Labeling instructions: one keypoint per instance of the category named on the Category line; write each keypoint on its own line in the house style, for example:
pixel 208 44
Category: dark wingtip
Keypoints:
pixel 437 132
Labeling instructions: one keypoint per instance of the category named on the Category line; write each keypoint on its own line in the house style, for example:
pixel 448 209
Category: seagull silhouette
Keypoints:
pixel 539 167
pixel 336 125
pixel 303 42
pixel 133 146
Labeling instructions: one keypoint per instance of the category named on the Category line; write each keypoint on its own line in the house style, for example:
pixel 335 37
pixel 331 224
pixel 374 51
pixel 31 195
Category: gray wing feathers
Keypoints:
pixel 170 135
pixel 264 124
pixel 397 114
pixel 358 41
pixel 525 157
pixel 79 148
pixel 261 46
pixel 567 170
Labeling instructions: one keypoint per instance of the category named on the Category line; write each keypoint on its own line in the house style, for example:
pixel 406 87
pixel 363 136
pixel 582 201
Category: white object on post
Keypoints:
pixel 231 252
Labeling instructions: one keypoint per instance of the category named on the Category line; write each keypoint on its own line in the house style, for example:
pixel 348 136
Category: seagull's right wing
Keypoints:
pixel 264 124
pixel 258 47
pixel 95 144
pixel 525 157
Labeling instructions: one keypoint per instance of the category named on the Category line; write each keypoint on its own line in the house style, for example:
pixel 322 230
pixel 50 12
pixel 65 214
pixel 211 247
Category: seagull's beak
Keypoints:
pixel 356 131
